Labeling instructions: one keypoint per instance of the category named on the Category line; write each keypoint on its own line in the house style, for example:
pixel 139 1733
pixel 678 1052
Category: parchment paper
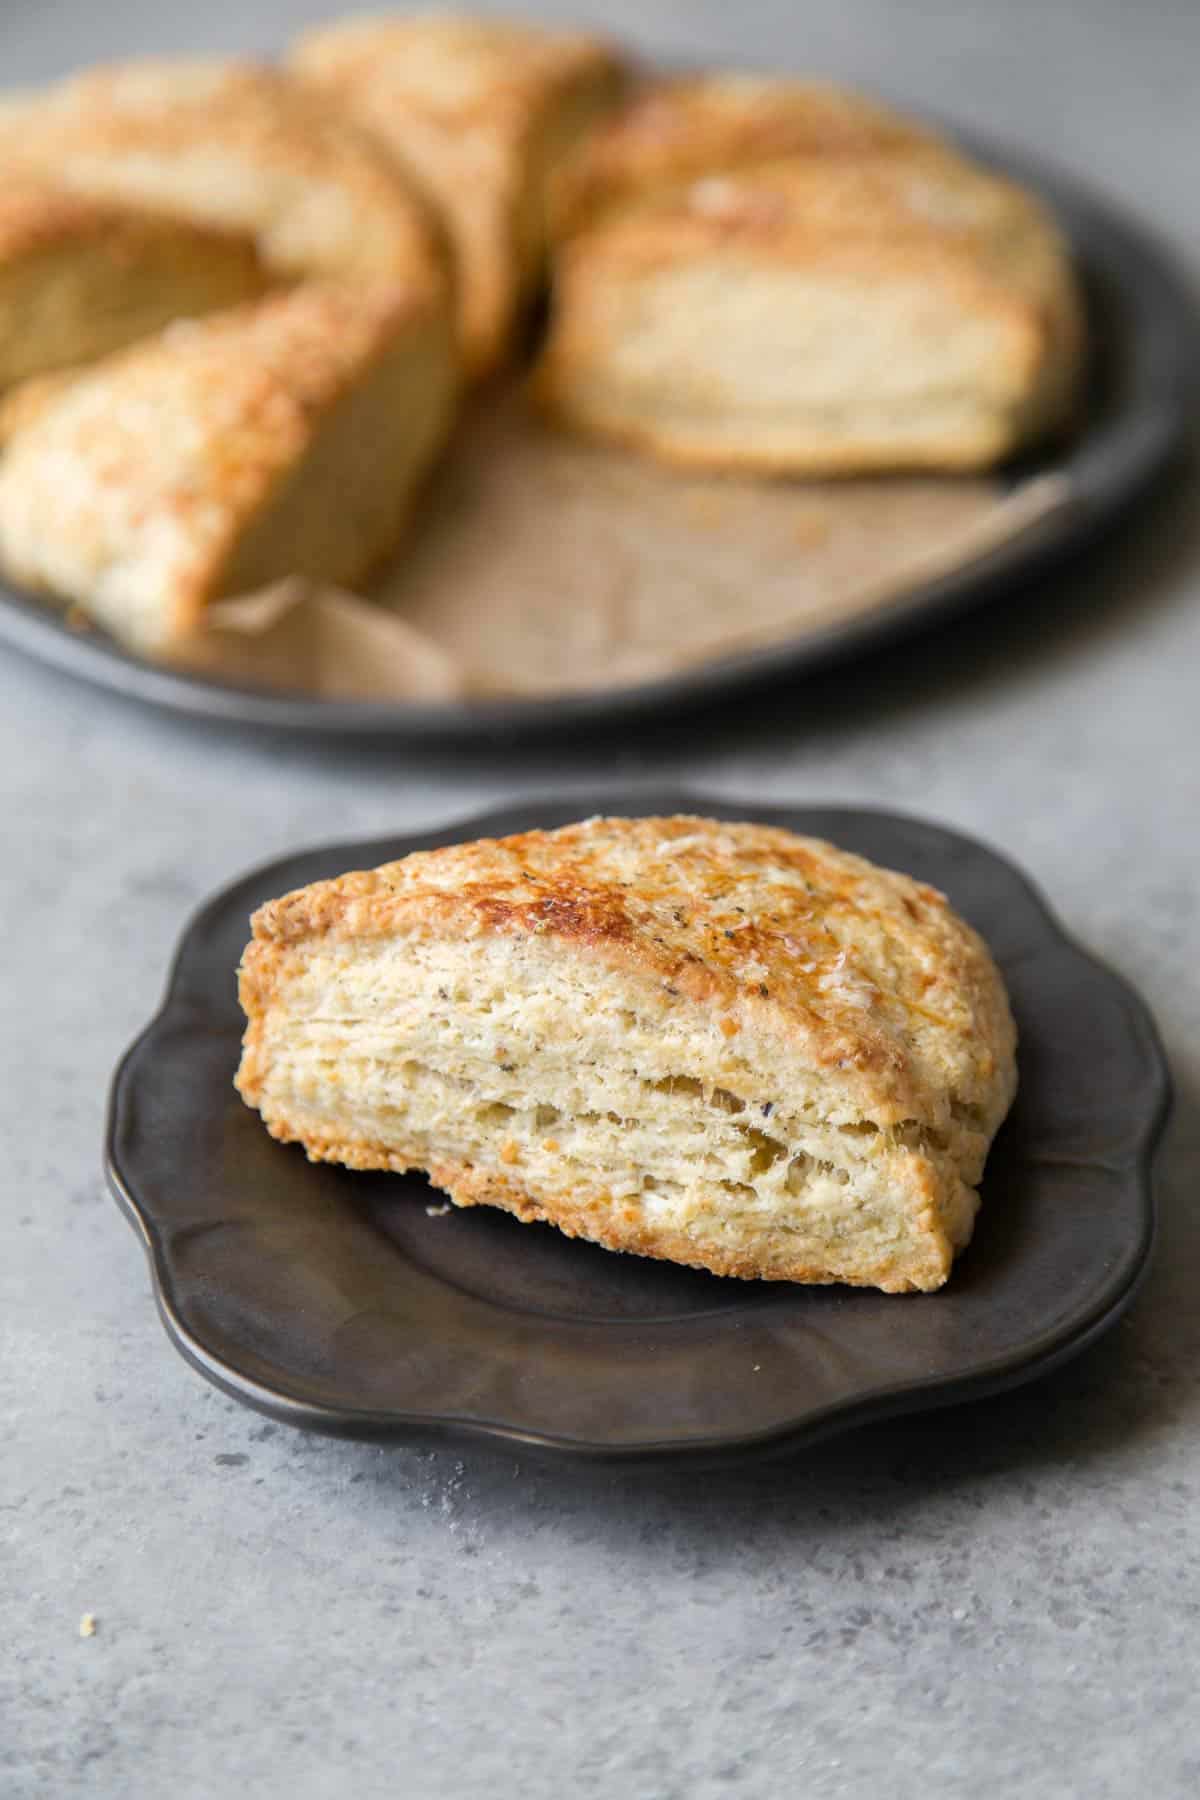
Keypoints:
pixel 539 565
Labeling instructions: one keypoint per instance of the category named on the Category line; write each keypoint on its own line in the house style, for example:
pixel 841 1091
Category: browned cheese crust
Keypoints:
pixel 673 131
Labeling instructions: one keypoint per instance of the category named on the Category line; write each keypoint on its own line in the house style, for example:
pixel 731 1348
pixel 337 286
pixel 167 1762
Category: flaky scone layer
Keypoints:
pixel 888 310
pixel 720 1044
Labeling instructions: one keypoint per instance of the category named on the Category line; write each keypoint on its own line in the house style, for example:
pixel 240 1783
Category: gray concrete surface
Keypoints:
pixel 1002 1600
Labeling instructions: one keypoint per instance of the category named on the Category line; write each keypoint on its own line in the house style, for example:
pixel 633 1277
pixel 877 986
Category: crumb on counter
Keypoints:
pixel 87 1625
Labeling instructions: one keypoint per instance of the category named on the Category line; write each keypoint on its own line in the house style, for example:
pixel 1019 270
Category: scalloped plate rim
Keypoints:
pixel 1041 1353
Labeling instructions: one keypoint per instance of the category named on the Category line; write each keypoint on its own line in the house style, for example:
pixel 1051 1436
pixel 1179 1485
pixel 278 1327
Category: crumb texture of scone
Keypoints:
pixel 483 112
pixel 884 310
pixel 720 1044
pixel 284 437
pixel 80 277
pixel 236 145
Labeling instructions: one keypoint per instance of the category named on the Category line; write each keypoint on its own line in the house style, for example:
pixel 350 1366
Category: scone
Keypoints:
pixel 719 1044
pixel 891 311
pixel 673 131
pixel 483 111
pixel 235 145
pixel 80 277
pixel 286 437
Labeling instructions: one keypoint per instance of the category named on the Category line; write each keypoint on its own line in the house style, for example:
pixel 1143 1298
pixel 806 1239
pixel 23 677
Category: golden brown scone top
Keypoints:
pixel 873 970
pixel 458 68
pixel 234 144
pixel 918 190
pixel 880 210
pixel 673 131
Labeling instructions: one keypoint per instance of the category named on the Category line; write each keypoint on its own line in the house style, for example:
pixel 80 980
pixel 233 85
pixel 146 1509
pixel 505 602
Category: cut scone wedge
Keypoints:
pixel 483 111
pixel 235 145
pixel 671 132
pixel 719 1044
pixel 901 310
pixel 80 277
pixel 286 437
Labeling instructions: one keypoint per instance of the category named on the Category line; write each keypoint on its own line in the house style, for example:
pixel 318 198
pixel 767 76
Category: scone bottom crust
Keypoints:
pixel 718 1044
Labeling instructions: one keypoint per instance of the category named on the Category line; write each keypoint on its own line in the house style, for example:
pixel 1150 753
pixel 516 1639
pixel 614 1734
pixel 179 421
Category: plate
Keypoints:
pixel 351 1303
pixel 1143 331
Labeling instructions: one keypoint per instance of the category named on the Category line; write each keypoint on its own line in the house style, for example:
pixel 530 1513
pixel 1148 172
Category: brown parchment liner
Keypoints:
pixel 539 565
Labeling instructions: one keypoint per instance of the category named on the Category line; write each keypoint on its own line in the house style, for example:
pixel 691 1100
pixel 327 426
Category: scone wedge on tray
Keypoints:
pixel 719 1044
pixel 882 310
pixel 483 112
pixel 80 277
pixel 231 144
pixel 285 437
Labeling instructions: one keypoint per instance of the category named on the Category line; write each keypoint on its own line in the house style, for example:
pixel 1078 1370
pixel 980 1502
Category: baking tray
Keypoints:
pixel 1141 392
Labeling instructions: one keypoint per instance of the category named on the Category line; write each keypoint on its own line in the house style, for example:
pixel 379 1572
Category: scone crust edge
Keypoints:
pixel 673 129
pixel 922 1267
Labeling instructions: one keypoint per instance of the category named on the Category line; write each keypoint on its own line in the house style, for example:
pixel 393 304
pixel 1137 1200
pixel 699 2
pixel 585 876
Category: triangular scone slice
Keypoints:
pixel 287 437
pixel 80 277
pixel 483 111
pixel 673 131
pixel 236 145
pixel 716 1043
pixel 892 311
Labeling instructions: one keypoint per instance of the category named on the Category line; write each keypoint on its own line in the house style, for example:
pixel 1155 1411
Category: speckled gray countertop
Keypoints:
pixel 1002 1599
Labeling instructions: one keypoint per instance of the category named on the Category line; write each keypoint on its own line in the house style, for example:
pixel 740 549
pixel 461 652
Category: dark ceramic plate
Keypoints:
pixel 1143 330
pixel 337 1301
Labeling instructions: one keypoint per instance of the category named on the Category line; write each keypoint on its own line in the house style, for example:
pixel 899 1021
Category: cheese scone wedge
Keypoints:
pixel 286 437
pixel 235 145
pixel 483 111
pixel 902 310
pixel 670 132
pixel 80 277
pixel 719 1044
